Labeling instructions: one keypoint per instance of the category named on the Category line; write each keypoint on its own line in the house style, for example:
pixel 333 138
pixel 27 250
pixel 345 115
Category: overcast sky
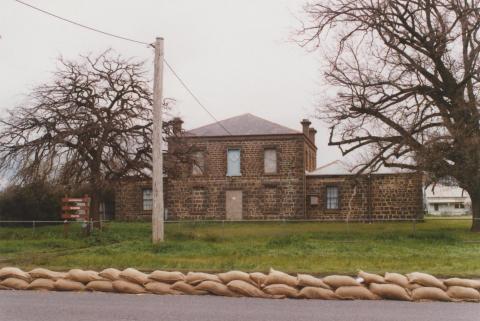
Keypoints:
pixel 235 55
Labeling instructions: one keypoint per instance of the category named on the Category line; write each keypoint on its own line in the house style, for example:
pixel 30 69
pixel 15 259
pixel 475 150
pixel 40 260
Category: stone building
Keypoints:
pixel 246 167
pixel 334 192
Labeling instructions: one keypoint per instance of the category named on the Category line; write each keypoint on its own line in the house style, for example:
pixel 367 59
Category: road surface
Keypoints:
pixel 58 306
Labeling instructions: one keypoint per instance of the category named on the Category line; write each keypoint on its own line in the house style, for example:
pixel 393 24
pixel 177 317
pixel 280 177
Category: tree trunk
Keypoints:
pixel 475 198
pixel 95 194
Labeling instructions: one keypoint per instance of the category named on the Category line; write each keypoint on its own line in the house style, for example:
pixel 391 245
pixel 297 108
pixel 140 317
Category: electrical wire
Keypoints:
pixel 182 82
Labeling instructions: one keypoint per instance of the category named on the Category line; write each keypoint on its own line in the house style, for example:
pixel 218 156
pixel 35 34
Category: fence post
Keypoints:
pixel 33 227
pixel 65 229
pixel 414 225
pixel 223 230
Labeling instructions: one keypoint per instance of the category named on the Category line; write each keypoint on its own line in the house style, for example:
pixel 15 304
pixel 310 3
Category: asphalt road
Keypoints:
pixel 58 306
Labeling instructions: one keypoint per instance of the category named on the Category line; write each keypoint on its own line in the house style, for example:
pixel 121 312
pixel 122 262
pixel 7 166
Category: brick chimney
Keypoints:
pixel 177 126
pixel 311 134
pixel 305 126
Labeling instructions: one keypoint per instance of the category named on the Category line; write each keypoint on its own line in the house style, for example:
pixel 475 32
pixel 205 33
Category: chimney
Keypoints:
pixel 177 126
pixel 311 134
pixel 305 125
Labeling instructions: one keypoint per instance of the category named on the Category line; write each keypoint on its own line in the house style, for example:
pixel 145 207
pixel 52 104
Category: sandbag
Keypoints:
pixel 370 278
pixel 397 279
pixel 195 278
pixel 390 291
pixel 258 277
pixel 227 277
pixel 68 285
pixel 336 281
pixel 100 286
pixel 160 288
pixel 282 290
pixel 135 276
pixel 462 293
pixel 42 284
pixel 355 293
pixel 246 289
pixel 413 286
pixel 308 280
pixel 463 282
pixel 310 292
pixel 14 283
pixel 166 277
pixel 123 286
pixel 426 280
pixel 41 273
pixel 82 276
pixel 278 277
pixel 184 287
pixel 216 288
pixel 110 274
pixel 13 272
pixel 430 294
pixel 3 287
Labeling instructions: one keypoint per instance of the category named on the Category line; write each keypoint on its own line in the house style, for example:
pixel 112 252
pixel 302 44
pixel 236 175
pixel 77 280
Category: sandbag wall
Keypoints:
pixel 392 286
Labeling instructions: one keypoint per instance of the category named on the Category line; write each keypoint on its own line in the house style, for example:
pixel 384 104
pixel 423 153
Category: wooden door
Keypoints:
pixel 234 205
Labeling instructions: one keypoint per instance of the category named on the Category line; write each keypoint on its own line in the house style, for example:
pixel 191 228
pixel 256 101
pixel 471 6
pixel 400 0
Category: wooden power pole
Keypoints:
pixel 157 141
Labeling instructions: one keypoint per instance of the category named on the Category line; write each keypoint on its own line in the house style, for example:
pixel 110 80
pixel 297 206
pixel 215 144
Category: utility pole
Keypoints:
pixel 157 141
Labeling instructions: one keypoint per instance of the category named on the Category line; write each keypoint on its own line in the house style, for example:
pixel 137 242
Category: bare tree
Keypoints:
pixel 90 125
pixel 407 75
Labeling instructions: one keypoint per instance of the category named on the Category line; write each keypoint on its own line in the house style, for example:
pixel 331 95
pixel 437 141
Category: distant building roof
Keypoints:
pixel 246 124
pixel 339 167
pixel 445 192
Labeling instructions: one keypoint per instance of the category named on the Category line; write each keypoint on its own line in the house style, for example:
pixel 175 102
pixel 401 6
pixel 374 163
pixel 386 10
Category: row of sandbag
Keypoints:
pixel 412 287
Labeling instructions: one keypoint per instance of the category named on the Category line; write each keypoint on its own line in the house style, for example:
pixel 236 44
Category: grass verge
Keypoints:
pixel 440 247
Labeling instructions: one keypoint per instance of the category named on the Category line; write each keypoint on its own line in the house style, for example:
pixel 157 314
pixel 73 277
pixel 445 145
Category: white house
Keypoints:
pixel 447 200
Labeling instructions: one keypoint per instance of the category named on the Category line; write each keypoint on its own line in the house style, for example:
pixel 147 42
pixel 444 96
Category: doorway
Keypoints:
pixel 234 205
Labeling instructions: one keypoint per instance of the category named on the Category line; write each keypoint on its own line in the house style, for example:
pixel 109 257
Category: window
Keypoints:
pixel 147 199
pixel 270 161
pixel 313 200
pixel 435 207
pixel 233 162
pixel 332 197
pixel 198 163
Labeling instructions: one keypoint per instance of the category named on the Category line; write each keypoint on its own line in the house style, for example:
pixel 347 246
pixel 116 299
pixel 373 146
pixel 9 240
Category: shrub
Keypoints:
pixel 33 201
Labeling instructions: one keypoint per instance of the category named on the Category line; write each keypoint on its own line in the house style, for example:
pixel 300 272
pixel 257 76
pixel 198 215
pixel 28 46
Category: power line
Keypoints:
pixel 134 41
pixel 81 25
pixel 195 97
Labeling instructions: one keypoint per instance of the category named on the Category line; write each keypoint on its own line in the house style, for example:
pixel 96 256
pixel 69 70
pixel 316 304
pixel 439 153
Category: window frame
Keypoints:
pixel 147 208
pixel 203 169
pixel 327 204
pixel 270 148
pixel 239 161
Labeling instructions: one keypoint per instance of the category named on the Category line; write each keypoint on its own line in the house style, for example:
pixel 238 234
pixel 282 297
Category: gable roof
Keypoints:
pixel 246 124
pixel 339 167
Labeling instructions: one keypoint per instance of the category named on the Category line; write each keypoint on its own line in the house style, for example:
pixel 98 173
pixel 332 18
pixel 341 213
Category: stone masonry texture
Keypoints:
pixel 284 195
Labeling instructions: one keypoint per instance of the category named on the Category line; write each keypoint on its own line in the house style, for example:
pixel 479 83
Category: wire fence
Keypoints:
pixel 221 229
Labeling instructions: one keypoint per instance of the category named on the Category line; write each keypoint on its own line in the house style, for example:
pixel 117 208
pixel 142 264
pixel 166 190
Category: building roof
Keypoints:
pixel 242 125
pixel 339 167
pixel 445 192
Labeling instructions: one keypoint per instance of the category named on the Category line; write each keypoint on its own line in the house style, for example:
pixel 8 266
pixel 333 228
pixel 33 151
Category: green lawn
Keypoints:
pixel 438 246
